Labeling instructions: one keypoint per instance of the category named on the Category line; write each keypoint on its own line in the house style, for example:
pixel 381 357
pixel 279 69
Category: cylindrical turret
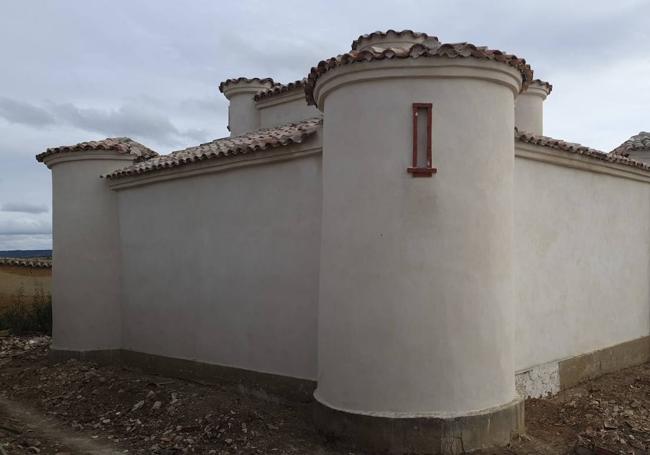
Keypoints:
pixel 86 248
pixel 243 116
pixel 529 107
pixel 416 286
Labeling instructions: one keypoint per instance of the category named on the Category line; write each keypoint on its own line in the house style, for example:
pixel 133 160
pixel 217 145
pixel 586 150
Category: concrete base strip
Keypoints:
pixel 589 366
pixel 430 435
pixel 550 378
pixel 536 382
pixel 267 386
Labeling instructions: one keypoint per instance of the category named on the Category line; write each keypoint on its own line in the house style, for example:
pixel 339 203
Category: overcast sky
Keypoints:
pixel 76 70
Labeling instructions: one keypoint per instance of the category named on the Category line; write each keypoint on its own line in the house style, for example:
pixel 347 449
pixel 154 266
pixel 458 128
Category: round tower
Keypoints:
pixel 529 107
pixel 86 247
pixel 416 317
pixel 243 116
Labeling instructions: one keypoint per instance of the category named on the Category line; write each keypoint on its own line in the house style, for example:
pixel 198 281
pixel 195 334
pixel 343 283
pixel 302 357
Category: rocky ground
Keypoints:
pixel 78 407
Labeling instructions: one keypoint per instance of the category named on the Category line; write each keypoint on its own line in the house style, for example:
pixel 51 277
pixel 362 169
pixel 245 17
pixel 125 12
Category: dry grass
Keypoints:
pixel 27 280
pixel 25 315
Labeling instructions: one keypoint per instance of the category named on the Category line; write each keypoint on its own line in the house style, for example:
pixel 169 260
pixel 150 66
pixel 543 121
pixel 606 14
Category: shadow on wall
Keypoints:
pixel 25 299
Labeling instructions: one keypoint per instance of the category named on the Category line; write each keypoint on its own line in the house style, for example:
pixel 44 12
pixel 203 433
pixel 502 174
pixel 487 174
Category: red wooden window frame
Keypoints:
pixel 417 170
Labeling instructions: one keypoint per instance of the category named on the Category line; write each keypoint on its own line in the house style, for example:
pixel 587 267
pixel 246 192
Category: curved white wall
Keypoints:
pixel 416 303
pixel 86 289
pixel 529 109
pixel 243 115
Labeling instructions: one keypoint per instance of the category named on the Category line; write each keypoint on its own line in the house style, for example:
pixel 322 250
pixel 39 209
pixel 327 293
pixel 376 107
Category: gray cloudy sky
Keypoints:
pixel 75 70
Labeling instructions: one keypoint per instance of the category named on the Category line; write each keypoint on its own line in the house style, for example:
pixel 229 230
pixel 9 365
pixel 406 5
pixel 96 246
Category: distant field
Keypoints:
pixel 26 254
pixel 27 281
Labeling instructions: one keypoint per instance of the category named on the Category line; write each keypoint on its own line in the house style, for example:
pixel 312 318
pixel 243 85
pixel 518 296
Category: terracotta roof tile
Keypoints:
pixel 546 85
pixel 280 88
pixel 255 141
pixel 233 81
pixel 637 143
pixel 122 145
pixel 455 50
pixel 379 34
pixel 578 149
pixel 26 262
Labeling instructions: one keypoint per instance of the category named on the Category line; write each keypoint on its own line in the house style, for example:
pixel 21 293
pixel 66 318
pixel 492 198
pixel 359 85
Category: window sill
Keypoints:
pixel 421 171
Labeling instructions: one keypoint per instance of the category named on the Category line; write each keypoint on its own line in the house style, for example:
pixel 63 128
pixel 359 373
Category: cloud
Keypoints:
pixel 26 242
pixel 24 113
pixel 24 207
pixel 132 119
pixel 128 120
pixel 25 225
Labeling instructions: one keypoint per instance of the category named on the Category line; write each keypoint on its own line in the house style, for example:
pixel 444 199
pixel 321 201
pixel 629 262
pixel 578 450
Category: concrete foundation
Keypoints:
pixel 423 435
pixel 594 364
pixel 552 377
pixel 268 386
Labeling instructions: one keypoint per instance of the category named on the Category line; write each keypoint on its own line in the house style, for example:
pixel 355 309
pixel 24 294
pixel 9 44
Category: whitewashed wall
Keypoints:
pixel 223 268
pixel 285 108
pixel 582 255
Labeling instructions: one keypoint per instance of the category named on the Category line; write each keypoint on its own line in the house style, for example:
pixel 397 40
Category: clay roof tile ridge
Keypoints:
pixel 259 140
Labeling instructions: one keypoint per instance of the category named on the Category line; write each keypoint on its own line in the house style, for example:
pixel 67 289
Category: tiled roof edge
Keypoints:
pixel 558 144
pixel 384 34
pixel 123 145
pixel 255 141
pixel 26 262
pixel 547 85
pixel 451 50
pixel 638 143
pixel 238 80
pixel 279 89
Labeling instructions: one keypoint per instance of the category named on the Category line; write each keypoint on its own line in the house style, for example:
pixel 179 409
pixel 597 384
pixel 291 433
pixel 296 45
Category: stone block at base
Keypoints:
pixel 422 435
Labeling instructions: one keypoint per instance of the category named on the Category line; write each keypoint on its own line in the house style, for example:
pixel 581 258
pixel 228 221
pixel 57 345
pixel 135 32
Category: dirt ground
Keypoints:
pixel 80 408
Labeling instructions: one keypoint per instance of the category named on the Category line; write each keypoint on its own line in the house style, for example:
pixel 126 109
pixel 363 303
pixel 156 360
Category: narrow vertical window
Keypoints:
pixel 422 166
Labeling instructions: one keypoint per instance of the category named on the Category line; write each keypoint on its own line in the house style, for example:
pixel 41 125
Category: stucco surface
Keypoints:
pixel 223 268
pixel 581 261
pixel 529 113
pixel 242 114
pixel 285 108
pixel 86 289
pixel 415 309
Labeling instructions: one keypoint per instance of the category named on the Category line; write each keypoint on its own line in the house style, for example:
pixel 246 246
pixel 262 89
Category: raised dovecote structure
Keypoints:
pixel 529 107
pixel 242 112
pixel 410 265
pixel 86 242
pixel 391 237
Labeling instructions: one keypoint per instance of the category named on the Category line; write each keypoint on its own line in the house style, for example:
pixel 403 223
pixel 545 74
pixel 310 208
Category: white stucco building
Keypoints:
pixel 393 233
